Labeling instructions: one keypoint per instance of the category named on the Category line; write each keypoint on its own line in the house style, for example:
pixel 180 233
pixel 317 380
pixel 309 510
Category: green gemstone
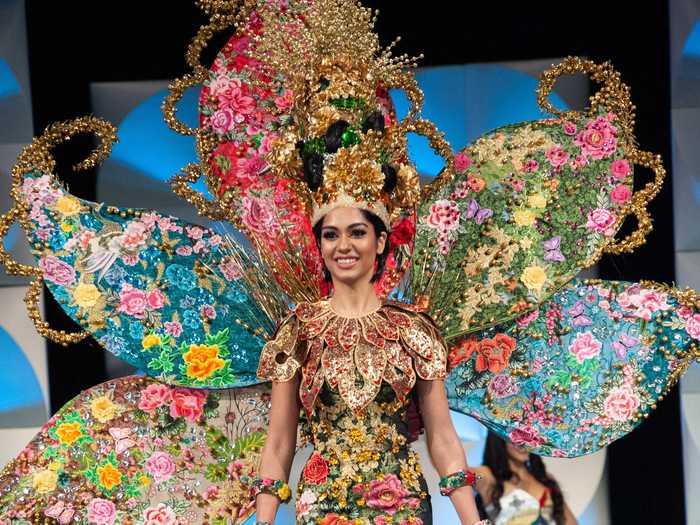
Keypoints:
pixel 349 138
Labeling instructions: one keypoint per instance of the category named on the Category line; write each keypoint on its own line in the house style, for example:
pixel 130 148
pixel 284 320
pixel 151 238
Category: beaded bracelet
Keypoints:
pixel 274 487
pixel 461 478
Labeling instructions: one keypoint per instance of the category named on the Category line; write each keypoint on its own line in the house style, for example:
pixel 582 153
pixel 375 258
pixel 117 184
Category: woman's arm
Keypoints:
pixel 444 445
pixel 280 445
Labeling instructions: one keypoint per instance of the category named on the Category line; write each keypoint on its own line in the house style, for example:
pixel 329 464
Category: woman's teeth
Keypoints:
pixel 346 261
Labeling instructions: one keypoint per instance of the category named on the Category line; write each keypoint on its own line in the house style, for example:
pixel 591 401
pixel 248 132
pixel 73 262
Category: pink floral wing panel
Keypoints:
pixel 134 450
pixel 579 372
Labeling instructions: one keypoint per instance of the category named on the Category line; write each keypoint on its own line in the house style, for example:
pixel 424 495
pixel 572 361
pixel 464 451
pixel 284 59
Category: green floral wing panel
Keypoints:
pixel 135 450
pixel 526 207
pixel 582 370
pixel 168 297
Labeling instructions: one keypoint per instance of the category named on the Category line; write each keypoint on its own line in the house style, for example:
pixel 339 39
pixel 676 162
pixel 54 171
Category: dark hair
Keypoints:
pixel 379 228
pixel 496 459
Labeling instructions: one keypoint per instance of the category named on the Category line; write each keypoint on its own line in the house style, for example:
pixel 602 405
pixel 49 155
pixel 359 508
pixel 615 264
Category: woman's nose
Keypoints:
pixel 344 243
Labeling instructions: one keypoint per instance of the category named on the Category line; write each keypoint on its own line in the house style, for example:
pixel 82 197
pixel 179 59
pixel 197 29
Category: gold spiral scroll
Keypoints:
pixel 614 95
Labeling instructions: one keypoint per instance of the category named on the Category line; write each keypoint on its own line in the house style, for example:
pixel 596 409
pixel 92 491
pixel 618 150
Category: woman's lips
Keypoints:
pixel 345 263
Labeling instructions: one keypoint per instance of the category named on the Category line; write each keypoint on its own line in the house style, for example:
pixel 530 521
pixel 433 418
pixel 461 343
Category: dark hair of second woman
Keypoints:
pixel 379 228
pixel 496 459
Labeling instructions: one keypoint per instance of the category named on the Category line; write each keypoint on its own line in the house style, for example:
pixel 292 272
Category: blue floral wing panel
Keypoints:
pixel 135 450
pixel 163 295
pixel 579 372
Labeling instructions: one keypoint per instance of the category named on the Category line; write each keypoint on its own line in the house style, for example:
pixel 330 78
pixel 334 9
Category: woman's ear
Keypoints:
pixel 381 243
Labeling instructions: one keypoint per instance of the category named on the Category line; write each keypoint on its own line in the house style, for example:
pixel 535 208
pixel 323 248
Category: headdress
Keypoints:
pixel 297 120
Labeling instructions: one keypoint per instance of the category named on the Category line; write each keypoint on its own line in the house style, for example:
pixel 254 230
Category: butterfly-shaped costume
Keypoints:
pixel 293 121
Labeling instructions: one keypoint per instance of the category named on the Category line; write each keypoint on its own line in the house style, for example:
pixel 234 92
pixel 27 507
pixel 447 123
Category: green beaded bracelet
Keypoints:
pixel 461 478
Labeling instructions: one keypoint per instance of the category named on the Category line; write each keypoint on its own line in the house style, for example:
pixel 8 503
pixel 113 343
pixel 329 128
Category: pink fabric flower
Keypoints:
pixel 525 320
pixel 208 311
pixel 259 214
pixel 526 436
pixel 230 269
pixel 503 386
pixel 132 301
pixel 692 326
pixel 620 194
pixel 101 512
pixel 160 466
pixel 187 403
pixel 598 139
pixel 160 515
pixel 557 156
pixel 153 396
pixel 621 404
pixel 304 503
pixel 184 250
pixel 569 128
pixel 388 494
pixel 444 216
pixel 462 162
pixel 601 221
pixel 620 168
pixel 195 232
pixel 222 121
pixel 155 299
pixel 285 102
pixel 135 235
pixel 530 166
pixel 641 302
pixel 57 271
pixel 585 346
pixel 173 328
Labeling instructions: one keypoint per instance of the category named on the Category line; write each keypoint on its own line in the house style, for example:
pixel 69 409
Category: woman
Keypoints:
pixel 515 488
pixel 361 466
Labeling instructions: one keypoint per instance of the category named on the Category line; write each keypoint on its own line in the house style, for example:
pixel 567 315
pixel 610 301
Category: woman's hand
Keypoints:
pixel 444 445
pixel 280 445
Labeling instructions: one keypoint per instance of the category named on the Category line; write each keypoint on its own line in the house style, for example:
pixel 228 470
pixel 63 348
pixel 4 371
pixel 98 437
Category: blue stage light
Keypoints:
pixel 8 83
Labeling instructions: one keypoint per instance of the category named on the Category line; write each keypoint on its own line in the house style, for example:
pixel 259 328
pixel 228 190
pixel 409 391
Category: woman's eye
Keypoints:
pixel 358 233
pixel 329 235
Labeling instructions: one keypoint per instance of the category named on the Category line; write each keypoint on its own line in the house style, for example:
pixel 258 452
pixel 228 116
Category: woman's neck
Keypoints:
pixel 354 301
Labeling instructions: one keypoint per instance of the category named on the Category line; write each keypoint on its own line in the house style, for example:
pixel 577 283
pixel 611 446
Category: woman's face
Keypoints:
pixel 349 245
pixel 517 454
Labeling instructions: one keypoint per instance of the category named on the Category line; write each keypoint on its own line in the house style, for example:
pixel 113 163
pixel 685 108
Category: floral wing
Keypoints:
pixel 526 207
pixel 137 450
pixel 174 299
pixel 582 370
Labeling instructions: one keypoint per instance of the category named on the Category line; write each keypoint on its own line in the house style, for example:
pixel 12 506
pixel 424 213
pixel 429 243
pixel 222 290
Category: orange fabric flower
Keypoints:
pixel 202 361
pixel 316 469
pixel 68 433
pixel 462 352
pixel 109 476
pixel 494 354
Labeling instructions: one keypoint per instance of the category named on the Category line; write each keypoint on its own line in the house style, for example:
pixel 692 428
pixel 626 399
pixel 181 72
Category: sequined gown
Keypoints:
pixel 357 376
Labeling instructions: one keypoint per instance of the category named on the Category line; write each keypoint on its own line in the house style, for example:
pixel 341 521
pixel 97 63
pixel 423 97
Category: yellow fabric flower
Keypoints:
pixel 67 228
pixel 44 481
pixel 150 340
pixel 109 476
pixel 526 243
pixel 68 433
pixel 145 481
pixel 67 205
pixel 534 277
pixel 537 201
pixel 86 295
pixel 202 361
pixel 524 218
pixel 284 493
pixel 103 409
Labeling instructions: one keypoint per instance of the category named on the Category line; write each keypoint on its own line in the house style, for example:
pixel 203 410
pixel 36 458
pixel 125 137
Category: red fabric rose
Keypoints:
pixel 316 469
pixel 403 233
